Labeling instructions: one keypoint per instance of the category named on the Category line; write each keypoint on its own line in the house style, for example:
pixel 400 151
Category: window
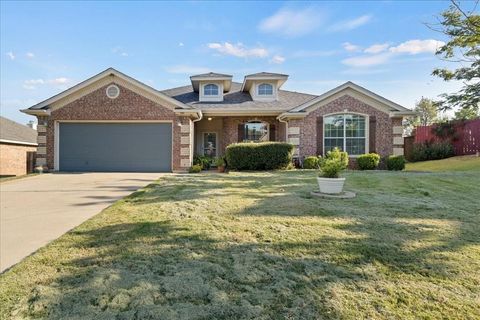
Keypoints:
pixel 256 131
pixel 345 131
pixel 210 144
pixel 210 90
pixel 265 89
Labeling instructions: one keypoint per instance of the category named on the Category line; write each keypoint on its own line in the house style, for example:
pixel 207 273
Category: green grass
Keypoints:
pixel 258 246
pixel 462 163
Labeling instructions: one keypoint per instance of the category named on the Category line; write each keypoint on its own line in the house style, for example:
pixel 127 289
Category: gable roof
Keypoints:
pixel 44 105
pixel 211 75
pixel 237 101
pixel 13 132
pixel 394 109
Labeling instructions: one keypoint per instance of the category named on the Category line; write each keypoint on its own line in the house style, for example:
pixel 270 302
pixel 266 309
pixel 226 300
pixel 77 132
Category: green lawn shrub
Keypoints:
pixel 259 156
pixel 205 162
pixel 196 168
pixel 395 163
pixel 432 151
pixel 368 161
pixel 311 162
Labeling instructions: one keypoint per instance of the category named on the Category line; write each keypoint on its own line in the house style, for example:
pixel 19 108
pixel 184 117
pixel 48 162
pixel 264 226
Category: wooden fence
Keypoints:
pixel 464 135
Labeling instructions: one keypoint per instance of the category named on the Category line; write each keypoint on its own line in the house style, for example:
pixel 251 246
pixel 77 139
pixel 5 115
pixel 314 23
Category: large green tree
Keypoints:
pixel 462 27
pixel 427 111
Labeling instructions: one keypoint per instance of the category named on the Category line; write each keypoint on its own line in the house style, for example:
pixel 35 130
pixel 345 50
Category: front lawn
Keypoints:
pixel 460 163
pixel 257 246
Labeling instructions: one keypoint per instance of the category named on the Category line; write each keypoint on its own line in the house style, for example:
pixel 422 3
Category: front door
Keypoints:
pixel 210 144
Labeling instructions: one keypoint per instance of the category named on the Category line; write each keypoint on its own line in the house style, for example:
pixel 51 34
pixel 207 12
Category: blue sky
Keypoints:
pixel 47 47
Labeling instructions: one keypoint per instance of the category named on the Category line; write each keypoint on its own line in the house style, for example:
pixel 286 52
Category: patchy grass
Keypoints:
pixel 462 163
pixel 257 246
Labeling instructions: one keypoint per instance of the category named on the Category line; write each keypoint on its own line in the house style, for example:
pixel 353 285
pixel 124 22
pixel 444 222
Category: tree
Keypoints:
pixel 427 110
pixel 462 27
pixel 466 114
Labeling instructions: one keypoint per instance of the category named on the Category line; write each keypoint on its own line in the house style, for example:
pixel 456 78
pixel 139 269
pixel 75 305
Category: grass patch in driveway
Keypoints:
pixel 258 246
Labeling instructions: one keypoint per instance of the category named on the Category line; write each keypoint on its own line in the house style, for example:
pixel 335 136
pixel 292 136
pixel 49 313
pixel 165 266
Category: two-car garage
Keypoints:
pixel 114 146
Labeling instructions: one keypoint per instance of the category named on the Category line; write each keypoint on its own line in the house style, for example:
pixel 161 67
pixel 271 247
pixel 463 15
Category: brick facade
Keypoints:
pixel 128 106
pixel 308 138
pixel 13 159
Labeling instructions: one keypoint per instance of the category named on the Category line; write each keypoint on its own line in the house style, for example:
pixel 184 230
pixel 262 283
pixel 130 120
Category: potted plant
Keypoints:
pixel 220 163
pixel 329 180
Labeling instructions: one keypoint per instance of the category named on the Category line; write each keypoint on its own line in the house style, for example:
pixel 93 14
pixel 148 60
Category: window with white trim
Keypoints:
pixel 210 90
pixel 345 131
pixel 265 89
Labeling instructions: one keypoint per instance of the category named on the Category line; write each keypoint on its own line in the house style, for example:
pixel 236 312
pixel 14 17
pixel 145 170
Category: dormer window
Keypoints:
pixel 210 90
pixel 265 89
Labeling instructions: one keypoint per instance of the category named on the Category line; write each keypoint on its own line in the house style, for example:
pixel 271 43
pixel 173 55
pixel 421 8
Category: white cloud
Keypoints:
pixel 289 22
pixel 350 47
pixel 351 24
pixel 417 46
pixel 277 59
pixel 30 55
pixel 367 60
pixel 377 48
pixel 119 50
pixel 180 44
pixel 238 50
pixel 32 84
pixel 186 69
pixel 10 55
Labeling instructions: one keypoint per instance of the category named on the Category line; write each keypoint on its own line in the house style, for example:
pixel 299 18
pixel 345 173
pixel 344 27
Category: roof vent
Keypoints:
pixel 113 91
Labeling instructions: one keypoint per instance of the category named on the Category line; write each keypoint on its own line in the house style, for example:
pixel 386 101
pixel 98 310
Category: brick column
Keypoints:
pixel 186 143
pixel 41 157
pixel 397 136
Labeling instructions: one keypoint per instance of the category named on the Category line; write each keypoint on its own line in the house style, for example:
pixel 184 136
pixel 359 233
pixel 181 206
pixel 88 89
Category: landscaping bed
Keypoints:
pixel 259 246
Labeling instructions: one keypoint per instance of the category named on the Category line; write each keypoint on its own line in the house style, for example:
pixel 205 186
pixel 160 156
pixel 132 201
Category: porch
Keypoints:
pixel 213 134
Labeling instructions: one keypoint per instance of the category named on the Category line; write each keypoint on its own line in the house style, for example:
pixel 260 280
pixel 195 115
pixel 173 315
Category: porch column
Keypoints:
pixel 186 143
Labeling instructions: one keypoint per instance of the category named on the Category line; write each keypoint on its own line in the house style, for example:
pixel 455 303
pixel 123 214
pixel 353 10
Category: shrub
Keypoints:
pixel 338 155
pixel 220 162
pixel 368 161
pixel 196 168
pixel 334 163
pixel 204 161
pixel 311 162
pixel 259 156
pixel 396 163
pixel 432 151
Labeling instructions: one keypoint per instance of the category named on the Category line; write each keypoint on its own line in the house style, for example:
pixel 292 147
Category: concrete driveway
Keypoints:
pixel 39 209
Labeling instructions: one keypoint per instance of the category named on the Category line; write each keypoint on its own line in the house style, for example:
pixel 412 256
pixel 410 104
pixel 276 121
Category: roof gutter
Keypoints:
pixel 18 142
pixel 291 115
pixel 190 112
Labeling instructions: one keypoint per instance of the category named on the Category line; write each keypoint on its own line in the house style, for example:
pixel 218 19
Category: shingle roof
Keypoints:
pixel 211 75
pixel 237 100
pixel 13 131
pixel 265 74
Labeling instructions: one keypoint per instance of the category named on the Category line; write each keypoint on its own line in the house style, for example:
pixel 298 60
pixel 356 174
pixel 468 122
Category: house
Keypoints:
pixel 112 122
pixel 17 142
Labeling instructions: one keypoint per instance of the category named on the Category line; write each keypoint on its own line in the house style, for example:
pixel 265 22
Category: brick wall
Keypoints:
pixel 13 159
pixel 307 134
pixel 127 106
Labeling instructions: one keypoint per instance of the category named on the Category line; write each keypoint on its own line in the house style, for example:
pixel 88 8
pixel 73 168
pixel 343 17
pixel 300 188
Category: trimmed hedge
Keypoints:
pixel 396 163
pixel 368 161
pixel 432 151
pixel 259 156
pixel 311 162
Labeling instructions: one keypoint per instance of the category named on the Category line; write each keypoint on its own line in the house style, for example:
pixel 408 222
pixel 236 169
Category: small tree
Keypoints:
pixel 466 114
pixel 462 27
pixel 427 110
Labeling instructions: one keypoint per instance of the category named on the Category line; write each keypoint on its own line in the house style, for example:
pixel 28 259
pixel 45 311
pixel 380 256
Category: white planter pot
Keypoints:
pixel 330 185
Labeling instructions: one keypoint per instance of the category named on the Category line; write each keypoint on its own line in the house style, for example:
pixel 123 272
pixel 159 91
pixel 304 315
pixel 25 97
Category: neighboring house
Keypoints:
pixel 16 141
pixel 112 122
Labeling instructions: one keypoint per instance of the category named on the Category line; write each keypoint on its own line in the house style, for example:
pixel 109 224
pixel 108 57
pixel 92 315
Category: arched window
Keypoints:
pixel 256 131
pixel 265 89
pixel 348 132
pixel 210 90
